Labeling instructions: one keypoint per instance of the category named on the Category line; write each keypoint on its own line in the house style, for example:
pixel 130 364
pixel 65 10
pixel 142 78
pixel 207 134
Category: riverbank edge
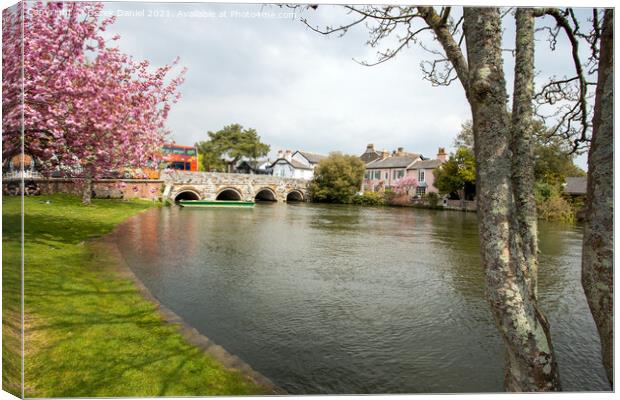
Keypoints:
pixel 107 245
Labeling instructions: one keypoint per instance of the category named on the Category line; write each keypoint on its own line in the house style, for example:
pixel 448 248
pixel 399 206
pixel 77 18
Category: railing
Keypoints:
pixel 18 175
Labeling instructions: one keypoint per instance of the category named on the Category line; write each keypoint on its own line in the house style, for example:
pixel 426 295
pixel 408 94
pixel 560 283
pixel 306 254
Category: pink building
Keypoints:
pixel 384 171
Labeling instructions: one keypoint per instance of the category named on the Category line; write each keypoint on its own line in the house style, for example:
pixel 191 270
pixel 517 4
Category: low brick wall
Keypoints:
pixel 465 205
pixel 102 188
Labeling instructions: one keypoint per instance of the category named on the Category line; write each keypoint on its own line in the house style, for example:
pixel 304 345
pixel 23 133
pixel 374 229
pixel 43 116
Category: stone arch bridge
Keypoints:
pixel 185 185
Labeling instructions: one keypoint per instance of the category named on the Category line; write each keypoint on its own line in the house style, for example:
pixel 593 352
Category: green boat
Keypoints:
pixel 216 203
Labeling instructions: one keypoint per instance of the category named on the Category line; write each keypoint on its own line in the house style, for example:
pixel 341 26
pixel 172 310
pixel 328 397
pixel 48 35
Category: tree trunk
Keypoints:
pixel 530 364
pixel 597 261
pixel 525 225
pixel 521 144
pixel 87 190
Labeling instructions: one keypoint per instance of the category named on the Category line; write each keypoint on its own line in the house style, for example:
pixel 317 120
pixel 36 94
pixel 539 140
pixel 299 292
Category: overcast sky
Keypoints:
pixel 300 90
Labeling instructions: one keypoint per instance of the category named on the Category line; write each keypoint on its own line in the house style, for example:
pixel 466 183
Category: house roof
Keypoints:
pixel 293 163
pixel 313 158
pixel 425 164
pixel 392 162
pixel 576 185
pixel 370 156
pixel 257 164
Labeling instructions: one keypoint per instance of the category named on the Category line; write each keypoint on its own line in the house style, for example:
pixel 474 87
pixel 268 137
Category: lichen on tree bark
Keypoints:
pixel 507 248
pixel 597 259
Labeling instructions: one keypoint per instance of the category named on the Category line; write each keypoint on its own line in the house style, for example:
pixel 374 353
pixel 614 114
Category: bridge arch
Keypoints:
pixel 230 194
pixel 295 196
pixel 186 194
pixel 265 194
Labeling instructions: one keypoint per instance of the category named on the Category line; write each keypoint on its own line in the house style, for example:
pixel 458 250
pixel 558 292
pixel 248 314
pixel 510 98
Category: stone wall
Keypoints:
pixel 464 205
pixel 103 188
pixel 205 185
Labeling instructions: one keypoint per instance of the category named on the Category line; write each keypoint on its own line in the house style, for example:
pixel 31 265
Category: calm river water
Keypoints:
pixel 339 299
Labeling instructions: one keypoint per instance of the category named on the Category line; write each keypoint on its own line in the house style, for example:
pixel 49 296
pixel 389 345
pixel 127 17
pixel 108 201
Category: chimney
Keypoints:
pixel 441 154
pixel 288 155
pixel 384 154
pixel 370 148
pixel 400 151
pixel 280 154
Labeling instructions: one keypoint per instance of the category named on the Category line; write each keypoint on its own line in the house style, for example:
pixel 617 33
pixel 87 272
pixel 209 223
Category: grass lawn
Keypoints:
pixel 88 330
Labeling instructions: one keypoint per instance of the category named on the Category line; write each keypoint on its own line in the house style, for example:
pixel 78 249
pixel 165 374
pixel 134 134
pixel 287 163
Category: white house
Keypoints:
pixel 300 164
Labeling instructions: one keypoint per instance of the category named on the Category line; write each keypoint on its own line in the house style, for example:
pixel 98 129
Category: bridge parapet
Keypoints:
pixel 209 185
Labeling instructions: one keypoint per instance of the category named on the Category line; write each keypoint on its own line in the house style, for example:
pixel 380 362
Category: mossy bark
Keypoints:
pixel 597 262
pixel 508 248
pixel 87 190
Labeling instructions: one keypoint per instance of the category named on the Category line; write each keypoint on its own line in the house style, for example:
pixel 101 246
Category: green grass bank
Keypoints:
pixel 88 330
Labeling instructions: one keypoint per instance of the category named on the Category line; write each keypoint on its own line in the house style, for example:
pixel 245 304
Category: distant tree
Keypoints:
pixel 337 179
pixel 553 163
pixel 553 155
pixel 227 146
pixel 458 174
pixel 465 138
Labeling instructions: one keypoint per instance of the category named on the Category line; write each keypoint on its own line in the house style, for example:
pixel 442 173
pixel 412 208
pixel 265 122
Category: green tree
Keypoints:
pixel 227 146
pixel 337 179
pixel 465 138
pixel 553 157
pixel 553 163
pixel 458 173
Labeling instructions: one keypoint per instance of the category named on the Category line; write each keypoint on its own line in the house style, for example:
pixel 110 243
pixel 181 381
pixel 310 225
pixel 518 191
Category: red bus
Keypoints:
pixel 180 157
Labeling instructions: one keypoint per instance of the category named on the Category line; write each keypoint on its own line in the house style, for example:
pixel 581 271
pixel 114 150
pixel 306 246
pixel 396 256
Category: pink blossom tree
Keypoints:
pixel 85 107
pixel 405 185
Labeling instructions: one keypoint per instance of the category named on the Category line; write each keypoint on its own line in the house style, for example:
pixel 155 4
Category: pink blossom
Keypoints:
pixel 86 106
pixel 405 184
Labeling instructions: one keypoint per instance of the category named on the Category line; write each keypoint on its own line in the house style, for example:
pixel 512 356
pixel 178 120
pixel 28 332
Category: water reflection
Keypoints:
pixel 336 299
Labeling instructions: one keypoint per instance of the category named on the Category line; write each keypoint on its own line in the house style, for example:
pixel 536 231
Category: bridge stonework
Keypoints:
pixel 208 185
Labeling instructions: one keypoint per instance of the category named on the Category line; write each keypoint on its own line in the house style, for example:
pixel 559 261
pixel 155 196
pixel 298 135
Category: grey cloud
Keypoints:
pixel 299 89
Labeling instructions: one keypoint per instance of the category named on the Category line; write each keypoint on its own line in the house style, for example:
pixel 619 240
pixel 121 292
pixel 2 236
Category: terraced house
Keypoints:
pixel 384 171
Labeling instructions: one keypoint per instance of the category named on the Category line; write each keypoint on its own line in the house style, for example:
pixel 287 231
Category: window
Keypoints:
pixel 421 175
pixel 387 175
pixel 420 191
pixel 190 152
pixel 366 175
pixel 377 175
pixel 401 173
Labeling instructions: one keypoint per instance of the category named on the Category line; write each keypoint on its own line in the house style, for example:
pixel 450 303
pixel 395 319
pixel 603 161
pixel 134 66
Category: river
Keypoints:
pixel 344 299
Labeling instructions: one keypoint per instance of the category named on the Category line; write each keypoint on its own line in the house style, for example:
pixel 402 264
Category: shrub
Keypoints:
pixel 369 199
pixel 556 208
pixel 543 191
pixel 388 195
pixel 398 199
pixel 433 199
pixel 551 205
